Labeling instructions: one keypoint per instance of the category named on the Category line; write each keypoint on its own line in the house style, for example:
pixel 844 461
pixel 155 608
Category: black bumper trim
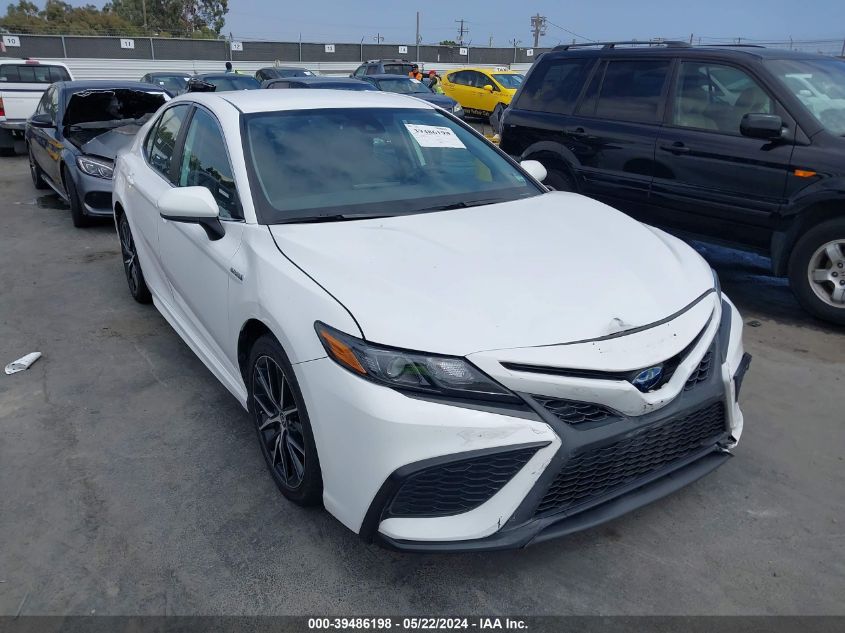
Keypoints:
pixel 552 527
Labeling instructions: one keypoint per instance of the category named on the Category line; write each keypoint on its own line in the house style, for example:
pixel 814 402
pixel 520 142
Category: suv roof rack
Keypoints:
pixel 608 45
pixel 376 61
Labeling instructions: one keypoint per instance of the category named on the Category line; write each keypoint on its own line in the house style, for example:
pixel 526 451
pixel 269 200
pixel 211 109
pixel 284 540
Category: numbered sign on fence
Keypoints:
pixel 130 44
pixel 237 46
pixel 464 51
pixel 403 50
pixel 330 48
pixel 529 52
pixel 12 41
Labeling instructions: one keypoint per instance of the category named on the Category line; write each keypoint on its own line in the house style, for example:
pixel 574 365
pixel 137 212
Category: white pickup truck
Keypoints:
pixel 22 84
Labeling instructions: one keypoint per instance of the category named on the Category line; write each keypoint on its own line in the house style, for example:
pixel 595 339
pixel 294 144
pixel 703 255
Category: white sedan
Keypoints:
pixel 430 343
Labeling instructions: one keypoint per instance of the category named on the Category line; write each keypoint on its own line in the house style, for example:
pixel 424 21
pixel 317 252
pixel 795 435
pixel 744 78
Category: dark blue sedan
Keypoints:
pixel 414 88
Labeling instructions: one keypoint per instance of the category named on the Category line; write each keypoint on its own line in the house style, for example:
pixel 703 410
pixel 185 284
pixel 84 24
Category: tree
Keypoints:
pixel 448 43
pixel 194 18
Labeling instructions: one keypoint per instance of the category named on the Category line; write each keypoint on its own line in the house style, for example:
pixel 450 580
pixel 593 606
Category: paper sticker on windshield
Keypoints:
pixel 434 136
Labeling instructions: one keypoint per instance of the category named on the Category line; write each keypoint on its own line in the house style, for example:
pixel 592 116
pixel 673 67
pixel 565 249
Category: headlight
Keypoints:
pixel 457 109
pixel 410 371
pixel 96 167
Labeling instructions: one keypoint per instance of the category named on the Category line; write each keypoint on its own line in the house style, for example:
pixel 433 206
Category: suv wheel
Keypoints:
pixel 817 271
pixel 559 180
pixel 281 420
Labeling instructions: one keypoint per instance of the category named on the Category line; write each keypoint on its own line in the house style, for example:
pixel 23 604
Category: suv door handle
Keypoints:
pixel 676 148
pixel 576 131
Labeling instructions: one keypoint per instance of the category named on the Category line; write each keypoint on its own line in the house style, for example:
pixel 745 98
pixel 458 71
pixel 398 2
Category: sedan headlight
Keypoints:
pixel 457 109
pixel 405 370
pixel 97 167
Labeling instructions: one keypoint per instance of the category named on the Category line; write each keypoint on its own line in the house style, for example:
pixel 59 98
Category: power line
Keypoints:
pixel 558 26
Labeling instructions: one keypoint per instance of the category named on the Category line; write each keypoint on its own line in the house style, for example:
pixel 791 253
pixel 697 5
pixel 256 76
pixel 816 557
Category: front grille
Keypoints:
pixel 576 413
pixel 457 486
pixel 600 471
pixel 702 372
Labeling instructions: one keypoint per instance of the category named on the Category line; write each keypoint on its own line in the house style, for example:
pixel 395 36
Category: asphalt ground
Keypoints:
pixel 131 482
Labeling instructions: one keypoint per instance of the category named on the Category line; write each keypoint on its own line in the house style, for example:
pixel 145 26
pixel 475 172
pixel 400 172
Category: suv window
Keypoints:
pixel 397 69
pixel 164 141
pixel 716 97
pixel 359 72
pixel 630 90
pixel 32 73
pixel 555 86
pixel 372 70
pixel 205 163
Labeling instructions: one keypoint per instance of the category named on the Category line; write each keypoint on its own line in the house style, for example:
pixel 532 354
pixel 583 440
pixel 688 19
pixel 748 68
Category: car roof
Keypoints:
pixel 252 101
pixel 728 51
pixel 388 76
pixel 481 69
pixel 168 73
pixel 283 68
pixel 105 84
pixel 29 62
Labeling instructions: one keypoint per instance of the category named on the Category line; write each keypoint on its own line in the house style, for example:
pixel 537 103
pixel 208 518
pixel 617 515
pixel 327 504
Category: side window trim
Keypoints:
pixel 183 133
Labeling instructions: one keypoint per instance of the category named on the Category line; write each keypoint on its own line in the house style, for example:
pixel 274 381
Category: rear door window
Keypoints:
pixel 630 90
pixel 163 145
pixel 397 69
pixel 555 86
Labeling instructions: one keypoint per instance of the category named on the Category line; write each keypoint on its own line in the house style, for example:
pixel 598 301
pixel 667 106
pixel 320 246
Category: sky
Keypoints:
pixel 349 21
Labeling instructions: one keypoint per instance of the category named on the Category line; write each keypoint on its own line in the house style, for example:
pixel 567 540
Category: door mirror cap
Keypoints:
pixel 192 205
pixel 41 120
pixel 535 169
pixel 488 87
pixel 762 126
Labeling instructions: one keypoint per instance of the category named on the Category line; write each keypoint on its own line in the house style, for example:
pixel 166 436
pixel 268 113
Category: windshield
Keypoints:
pixel 382 161
pixel 509 80
pixel 232 82
pixel 819 84
pixel 174 84
pixel 403 86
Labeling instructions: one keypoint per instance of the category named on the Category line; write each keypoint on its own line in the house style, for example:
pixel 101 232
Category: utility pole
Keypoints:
pixel 490 42
pixel 144 10
pixel 538 28
pixel 515 42
pixel 462 30
pixel 418 37
pixel 378 38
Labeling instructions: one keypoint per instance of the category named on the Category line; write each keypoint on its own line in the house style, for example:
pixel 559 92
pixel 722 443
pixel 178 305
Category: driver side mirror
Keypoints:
pixel 535 169
pixel 41 120
pixel 192 205
pixel 488 87
pixel 763 126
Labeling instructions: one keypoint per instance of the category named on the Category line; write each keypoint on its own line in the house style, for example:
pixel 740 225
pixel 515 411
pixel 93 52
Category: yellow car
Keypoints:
pixel 480 90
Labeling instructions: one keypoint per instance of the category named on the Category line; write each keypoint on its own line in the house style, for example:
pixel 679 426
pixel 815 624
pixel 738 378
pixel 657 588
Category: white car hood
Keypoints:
pixel 551 269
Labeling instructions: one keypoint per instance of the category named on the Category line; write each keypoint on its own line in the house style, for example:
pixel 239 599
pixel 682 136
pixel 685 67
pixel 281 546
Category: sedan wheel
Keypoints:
pixel 35 172
pixel 131 265
pixel 284 430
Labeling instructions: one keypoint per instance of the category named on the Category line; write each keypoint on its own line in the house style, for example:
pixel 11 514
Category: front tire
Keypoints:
pixel 131 265
pixel 817 271
pixel 36 173
pixel 77 211
pixel 281 421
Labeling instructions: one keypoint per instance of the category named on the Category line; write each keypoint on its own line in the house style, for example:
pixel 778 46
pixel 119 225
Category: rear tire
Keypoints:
pixel 817 271
pixel 77 211
pixel 282 423
pixel 131 264
pixel 559 180
pixel 36 173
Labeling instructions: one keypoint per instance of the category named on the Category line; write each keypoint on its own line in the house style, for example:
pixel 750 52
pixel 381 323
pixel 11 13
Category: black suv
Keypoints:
pixel 384 67
pixel 741 145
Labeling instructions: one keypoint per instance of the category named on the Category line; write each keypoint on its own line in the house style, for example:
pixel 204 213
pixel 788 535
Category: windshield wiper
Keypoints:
pixel 462 205
pixel 339 217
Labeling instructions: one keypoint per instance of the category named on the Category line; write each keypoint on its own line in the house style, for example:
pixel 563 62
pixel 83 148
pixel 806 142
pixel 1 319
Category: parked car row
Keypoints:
pixel 740 145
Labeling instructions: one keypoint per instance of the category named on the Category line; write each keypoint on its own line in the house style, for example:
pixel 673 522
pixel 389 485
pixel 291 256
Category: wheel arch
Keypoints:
pixel 783 241
pixel 251 331
pixel 552 155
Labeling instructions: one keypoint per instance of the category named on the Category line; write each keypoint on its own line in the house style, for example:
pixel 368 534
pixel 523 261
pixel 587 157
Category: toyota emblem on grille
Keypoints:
pixel 647 378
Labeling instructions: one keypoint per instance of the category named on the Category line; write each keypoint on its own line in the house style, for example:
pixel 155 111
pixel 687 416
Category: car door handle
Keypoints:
pixel 576 131
pixel 676 148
